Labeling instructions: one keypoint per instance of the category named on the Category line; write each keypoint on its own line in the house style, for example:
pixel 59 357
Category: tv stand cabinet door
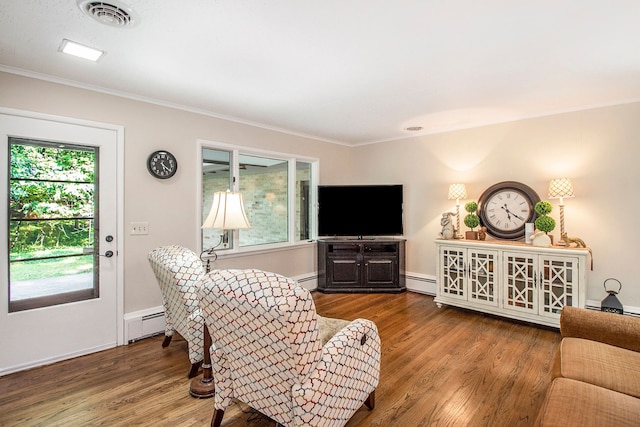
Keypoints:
pixel 343 273
pixel 381 272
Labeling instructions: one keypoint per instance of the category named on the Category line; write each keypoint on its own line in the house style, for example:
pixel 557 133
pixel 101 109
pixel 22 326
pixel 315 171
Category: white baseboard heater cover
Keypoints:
pixel 144 324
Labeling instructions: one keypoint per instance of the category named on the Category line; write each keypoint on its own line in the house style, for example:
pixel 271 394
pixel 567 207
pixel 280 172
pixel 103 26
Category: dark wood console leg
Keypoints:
pixel 204 386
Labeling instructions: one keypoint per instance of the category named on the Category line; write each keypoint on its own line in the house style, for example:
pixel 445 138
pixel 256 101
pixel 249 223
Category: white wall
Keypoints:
pixel 598 149
pixel 170 206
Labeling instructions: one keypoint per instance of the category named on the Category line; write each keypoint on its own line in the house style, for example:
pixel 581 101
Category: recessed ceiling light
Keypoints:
pixel 414 128
pixel 79 50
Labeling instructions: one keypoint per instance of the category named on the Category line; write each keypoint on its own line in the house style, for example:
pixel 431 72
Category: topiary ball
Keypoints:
pixel 471 207
pixel 545 223
pixel 471 221
pixel 543 207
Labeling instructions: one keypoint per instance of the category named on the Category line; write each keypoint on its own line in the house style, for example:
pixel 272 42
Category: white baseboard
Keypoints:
pixel 628 310
pixel 426 284
pixel 415 282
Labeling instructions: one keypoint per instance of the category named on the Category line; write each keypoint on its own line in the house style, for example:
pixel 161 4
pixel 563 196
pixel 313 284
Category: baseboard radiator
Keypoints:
pixel 144 324
pixel 421 283
pixel 309 282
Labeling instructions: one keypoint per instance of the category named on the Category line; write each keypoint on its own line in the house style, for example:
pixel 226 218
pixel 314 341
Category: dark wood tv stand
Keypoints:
pixel 361 265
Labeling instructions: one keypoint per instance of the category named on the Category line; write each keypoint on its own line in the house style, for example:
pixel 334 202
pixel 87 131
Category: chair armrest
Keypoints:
pixel 347 372
pixel 609 328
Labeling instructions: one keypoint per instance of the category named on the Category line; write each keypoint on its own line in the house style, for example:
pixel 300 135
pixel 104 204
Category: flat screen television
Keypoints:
pixel 360 210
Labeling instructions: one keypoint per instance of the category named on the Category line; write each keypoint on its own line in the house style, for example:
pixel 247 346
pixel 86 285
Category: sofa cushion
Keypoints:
pixel 599 364
pixel 570 402
pixel 329 327
pixel 610 328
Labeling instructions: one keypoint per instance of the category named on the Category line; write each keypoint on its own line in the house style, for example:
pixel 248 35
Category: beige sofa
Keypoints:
pixel 596 372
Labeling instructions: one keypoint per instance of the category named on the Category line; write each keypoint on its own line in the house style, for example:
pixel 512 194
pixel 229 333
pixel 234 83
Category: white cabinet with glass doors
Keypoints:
pixel 511 279
pixel 468 274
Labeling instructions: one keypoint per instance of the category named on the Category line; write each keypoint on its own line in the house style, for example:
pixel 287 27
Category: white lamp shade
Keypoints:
pixel 227 212
pixel 560 187
pixel 457 191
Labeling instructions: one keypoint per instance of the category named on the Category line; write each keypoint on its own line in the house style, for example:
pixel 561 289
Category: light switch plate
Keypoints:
pixel 139 228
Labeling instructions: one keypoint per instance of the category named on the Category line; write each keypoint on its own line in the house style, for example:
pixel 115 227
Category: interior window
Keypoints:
pixel 277 193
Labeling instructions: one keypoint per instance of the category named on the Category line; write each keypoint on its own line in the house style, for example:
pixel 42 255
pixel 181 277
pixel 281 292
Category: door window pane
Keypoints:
pixel 52 212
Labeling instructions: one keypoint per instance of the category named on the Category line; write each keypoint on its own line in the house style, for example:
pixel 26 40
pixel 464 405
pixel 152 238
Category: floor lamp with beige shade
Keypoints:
pixel 226 214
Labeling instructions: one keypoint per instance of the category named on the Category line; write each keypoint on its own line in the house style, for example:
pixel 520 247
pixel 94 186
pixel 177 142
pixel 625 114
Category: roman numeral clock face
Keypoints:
pixel 506 207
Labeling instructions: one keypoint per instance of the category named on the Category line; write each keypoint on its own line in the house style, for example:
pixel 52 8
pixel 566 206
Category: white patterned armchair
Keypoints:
pixel 267 351
pixel 178 271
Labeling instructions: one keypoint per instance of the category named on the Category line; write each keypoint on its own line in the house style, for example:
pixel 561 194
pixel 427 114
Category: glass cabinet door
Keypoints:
pixel 482 283
pixel 558 284
pixel 452 282
pixel 520 293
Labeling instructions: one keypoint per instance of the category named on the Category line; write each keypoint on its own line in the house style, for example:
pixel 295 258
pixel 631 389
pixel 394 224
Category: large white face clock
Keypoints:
pixel 506 207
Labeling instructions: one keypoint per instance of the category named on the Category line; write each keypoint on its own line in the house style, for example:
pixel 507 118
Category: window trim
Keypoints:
pixel 236 151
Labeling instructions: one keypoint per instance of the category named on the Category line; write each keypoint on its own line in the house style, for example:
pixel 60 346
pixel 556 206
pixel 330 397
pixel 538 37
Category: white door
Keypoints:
pixel 58 298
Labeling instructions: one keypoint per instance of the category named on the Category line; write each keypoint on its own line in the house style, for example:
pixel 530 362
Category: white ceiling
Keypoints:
pixel 345 71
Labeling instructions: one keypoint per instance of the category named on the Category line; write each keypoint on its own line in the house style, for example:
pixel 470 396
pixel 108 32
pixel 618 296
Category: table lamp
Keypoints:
pixel 561 188
pixel 457 192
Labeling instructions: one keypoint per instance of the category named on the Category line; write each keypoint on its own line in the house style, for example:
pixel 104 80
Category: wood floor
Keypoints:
pixel 440 367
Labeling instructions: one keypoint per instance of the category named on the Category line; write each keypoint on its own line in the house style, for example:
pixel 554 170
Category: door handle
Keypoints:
pixel 108 254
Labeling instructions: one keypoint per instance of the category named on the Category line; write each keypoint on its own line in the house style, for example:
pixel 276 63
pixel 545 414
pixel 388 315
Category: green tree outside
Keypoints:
pixel 51 209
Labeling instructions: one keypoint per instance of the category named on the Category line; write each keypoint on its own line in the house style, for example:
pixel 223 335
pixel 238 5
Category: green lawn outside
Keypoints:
pixel 38 269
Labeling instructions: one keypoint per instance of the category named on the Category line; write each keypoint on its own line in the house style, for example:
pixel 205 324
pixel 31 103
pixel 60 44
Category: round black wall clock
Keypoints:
pixel 505 207
pixel 162 164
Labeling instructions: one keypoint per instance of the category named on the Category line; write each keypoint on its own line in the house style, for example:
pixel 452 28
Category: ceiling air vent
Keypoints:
pixel 111 13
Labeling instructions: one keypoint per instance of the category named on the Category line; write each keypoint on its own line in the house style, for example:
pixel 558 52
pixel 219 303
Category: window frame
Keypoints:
pixel 291 159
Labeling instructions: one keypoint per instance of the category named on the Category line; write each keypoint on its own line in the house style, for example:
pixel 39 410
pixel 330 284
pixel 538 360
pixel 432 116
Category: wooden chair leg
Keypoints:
pixel 194 369
pixel 167 340
pixel 371 400
pixel 217 418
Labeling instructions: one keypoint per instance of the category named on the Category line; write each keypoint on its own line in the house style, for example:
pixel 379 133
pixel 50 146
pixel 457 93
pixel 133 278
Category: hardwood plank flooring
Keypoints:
pixel 440 367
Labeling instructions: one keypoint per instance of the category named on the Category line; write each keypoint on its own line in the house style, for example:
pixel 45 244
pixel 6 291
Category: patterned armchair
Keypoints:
pixel 267 351
pixel 178 271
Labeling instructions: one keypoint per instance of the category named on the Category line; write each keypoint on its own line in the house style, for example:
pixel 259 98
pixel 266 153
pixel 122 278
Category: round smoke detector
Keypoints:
pixel 112 13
